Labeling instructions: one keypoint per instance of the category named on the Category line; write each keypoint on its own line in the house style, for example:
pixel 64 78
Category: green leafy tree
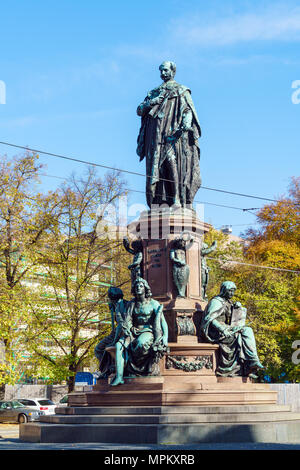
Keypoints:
pixel 78 262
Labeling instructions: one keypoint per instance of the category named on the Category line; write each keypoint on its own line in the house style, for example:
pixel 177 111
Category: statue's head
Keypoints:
pixel 184 241
pixel 179 243
pixel 141 286
pixel 228 289
pixel 137 245
pixel 167 70
pixel 115 293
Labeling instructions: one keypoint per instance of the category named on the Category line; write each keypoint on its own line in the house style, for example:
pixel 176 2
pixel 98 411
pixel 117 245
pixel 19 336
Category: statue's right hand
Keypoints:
pixel 227 333
pixel 237 329
pixel 237 305
pixel 157 100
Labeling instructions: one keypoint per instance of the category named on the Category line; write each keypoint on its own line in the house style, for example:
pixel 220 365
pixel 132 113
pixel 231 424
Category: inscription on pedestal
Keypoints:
pixel 155 257
pixel 156 267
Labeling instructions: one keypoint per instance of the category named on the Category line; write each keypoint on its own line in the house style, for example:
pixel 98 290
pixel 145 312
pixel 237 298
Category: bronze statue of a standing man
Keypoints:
pixel 168 139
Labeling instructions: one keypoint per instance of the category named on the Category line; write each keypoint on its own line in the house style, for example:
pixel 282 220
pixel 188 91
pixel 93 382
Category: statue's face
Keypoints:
pixel 166 72
pixel 113 300
pixel 230 292
pixel 139 288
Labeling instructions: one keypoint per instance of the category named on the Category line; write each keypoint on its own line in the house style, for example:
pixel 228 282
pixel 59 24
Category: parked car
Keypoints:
pixel 63 401
pixel 15 412
pixel 41 404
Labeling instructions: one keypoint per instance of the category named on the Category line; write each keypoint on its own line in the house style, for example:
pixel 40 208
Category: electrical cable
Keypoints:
pixel 143 192
pixel 253 265
pixel 140 174
pixel 131 172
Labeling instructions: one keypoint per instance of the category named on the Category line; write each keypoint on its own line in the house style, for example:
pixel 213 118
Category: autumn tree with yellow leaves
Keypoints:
pixel 25 216
pixel 54 254
pixel 78 262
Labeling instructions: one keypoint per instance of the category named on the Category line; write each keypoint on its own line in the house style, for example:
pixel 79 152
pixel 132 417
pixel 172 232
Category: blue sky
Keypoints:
pixel 75 72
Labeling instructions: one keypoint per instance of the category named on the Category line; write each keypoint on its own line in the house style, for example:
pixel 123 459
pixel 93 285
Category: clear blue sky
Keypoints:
pixel 75 72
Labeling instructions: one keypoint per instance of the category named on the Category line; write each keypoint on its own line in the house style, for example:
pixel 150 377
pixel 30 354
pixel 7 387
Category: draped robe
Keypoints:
pixel 176 111
pixel 237 353
pixel 142 327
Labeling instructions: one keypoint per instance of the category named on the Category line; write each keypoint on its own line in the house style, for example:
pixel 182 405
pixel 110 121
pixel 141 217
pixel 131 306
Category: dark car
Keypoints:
pixel 15 412
pixel 63 401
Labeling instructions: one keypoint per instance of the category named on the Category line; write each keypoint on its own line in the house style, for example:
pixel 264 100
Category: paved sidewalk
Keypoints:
pixel 9 430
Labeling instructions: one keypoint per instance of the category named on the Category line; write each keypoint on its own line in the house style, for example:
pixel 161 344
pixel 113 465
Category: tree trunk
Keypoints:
pixel 71 383
pixel 71 379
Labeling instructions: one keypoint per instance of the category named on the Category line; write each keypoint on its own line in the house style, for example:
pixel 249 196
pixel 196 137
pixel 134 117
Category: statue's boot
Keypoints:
pixel 252 376
pixel 117 381
pixel 255 366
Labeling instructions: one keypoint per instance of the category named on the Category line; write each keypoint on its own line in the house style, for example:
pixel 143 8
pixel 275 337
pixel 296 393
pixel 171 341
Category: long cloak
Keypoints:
pixel 161 121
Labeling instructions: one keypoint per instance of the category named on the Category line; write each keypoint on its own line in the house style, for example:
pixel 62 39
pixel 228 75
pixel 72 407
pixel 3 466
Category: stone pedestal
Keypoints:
pixel 175 390
pixel 189 364
pixel 186 403
pixel 187 372
pixel 158 231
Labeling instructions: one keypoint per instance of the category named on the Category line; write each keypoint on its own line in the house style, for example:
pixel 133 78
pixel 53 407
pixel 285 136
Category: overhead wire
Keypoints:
pixel 224 261
pixel 163 179
pixel 145 192
pixel 107 167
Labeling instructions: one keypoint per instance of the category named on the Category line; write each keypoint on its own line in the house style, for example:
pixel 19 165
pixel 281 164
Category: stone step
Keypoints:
pixel 170 383
pixel 171 418
pixel 154 410
pixel 236 386
pixel 282 431
pixel 179 398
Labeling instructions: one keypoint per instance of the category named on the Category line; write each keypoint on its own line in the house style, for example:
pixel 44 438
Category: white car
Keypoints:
pixel 41 404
